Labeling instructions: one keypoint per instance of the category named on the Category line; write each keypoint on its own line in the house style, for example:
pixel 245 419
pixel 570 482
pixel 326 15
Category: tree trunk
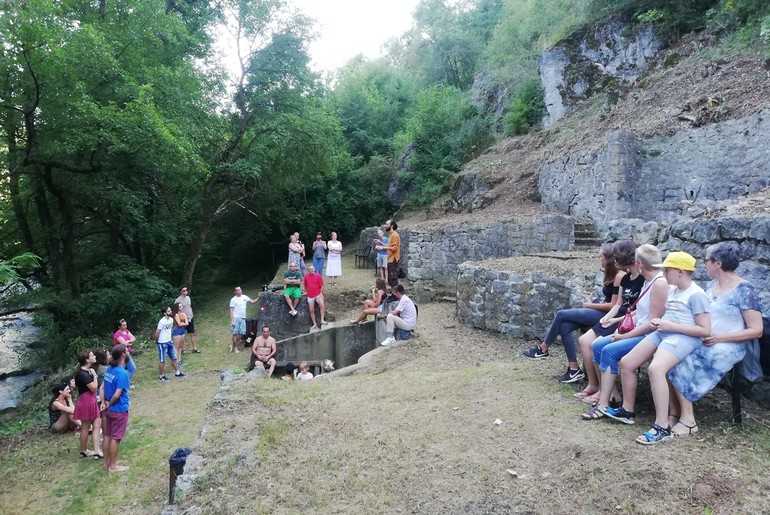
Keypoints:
pixel 13 185
pixel 69 255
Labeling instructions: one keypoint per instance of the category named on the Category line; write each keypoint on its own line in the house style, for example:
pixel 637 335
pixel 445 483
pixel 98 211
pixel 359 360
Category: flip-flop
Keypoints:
pixel 98 455
pixel 585 393
pixel 593 400
pixel 86 454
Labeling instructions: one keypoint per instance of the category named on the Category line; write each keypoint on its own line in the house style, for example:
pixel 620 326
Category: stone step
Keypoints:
pixel 586 234
pixel 588 242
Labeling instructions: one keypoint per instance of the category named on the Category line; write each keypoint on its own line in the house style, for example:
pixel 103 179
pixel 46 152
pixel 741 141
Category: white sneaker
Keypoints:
pixel 388 341
pixel 293 313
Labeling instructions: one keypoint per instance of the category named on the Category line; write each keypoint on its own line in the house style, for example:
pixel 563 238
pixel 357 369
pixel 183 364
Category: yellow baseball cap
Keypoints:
pixel 680 260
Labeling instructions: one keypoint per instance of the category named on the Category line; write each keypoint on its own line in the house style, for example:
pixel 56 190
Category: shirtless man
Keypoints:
pixel 263 350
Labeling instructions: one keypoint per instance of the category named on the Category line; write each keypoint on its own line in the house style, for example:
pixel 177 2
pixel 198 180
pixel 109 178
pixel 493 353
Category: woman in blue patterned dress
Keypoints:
pixel 736 319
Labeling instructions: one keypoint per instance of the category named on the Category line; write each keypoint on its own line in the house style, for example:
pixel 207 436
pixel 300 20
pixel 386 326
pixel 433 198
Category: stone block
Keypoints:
pixel 734 227
pixel 706 231
pixel 760 229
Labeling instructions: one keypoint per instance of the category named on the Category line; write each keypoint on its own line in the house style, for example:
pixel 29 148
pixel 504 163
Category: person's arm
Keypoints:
pixel 658 294
pixel 131 338
pixel 114 399
pixel 273 348
pixel 701 329
pixel 121 340
pixel 94 384
pixel 607 320
pixel 255 346
pixel 157 333
pixel 295 247
pixel 254 300
pixel 754 329
pixel 63 407
pixel 606 306
pixel 232 320
pixel 178 321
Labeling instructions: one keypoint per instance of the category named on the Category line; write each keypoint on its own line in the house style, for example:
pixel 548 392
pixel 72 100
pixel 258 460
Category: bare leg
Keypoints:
pixel 587 353
pixel 322 306
pixel 161 368
pixel 630 363
pixel 194 341
pixel 288 302
pixel 178 344
pixel 96 437
pixel 175 364
pixel 311 308
pixel 84 427
pixel 662 362
pixel 272 367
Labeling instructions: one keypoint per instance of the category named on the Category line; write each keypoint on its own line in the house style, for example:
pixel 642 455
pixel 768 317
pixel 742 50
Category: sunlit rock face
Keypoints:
pixel 601 57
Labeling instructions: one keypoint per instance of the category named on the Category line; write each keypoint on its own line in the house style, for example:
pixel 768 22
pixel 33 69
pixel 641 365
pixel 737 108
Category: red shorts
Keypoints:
pixel 115 424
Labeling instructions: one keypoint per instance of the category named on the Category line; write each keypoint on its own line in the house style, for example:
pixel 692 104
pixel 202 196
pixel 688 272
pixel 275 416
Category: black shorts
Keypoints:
pixel 393 273
pixel 190 326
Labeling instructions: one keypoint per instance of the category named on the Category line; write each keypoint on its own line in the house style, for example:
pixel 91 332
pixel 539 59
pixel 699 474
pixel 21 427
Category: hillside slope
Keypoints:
pixel 693 83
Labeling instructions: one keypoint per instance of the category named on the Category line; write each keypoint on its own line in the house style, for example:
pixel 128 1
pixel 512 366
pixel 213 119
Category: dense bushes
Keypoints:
pixel 526 108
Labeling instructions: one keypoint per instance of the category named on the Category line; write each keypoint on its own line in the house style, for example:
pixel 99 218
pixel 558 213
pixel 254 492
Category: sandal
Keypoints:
pixel 675 419
pixel 691 430
pixel 585 393
pixel 593 400
pixel 197 351
pixel 661 434
pixel 594 413
pixel 86 454
pixel 98 455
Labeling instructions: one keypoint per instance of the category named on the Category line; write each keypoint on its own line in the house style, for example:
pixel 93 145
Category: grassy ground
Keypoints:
pixel 413 431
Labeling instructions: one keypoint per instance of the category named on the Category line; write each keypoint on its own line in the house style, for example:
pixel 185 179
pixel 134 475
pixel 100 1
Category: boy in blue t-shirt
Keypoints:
pixel 679 332
pixel 382 255
pixel 115 405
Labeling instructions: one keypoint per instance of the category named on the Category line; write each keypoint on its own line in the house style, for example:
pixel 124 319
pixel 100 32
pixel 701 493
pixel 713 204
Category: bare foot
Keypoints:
pixel 119 468
pixel 237 351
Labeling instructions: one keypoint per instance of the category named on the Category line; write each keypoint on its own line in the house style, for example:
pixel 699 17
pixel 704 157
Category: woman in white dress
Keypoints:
pixel 333 259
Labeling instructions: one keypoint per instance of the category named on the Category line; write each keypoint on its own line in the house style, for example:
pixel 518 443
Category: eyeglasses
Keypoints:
pixel 709 260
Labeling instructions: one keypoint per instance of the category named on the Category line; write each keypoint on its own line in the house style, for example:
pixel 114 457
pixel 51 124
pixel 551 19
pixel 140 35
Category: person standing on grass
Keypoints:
pixel 177 334
pixel 394 251
pixel 238 317
pixel 264 350
pixel 166 345
pixel 292 292
pixel 319 253
pixel 186 302
pixel 334 259
pixel 86 408
pixel 123 336
pixel 115 405
pixel 314 285
pixel 381 243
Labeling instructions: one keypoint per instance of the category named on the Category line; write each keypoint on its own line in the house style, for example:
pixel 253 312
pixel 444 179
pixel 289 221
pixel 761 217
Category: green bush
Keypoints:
pixel 525 109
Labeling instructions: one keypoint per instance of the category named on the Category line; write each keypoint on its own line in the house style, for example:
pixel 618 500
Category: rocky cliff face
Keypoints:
pixel 598 57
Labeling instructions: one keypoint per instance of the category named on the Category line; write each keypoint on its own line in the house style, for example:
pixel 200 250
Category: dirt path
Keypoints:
pixel 415 432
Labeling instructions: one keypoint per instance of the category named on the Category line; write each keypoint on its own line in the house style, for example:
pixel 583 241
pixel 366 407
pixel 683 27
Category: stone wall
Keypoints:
pixel 519 296
pixel 343 344
pixel 663 177
pixel 436 256
pixel 752 233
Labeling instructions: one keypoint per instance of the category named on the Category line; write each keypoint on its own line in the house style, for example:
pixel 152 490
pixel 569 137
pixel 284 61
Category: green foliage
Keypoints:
pixel 118 288
pixel 526 108
pixel 9 269
pixel 672 17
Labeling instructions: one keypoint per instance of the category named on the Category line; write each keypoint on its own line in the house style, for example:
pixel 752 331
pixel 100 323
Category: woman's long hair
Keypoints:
pixel 611 268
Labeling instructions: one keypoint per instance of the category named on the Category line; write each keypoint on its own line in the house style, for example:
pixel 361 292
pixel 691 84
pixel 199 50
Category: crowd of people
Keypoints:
pixel 652 312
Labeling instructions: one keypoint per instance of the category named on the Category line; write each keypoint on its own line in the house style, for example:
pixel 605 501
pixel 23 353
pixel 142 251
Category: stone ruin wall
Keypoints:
pixel 435 257
pixel 663 178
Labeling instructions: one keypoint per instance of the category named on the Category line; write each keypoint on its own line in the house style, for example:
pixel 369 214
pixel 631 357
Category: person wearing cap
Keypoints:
pixel 677 334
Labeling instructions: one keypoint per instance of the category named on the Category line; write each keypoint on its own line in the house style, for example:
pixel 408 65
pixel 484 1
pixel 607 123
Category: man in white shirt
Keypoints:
pixel 238 316
pixel 404 316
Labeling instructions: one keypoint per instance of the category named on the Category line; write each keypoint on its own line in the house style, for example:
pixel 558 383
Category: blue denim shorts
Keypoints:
pixel 239 327
pixel 166 349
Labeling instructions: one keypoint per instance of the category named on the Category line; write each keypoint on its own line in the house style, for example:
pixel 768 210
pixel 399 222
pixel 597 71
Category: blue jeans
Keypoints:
pixel 318 263
pixel 130 367
pixel 566 321
pixel 607 354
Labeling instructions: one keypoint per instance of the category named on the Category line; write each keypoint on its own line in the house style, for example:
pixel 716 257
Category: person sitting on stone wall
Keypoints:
pixel 568 320
pixel 630 288
pixel 293 290
pixel 264 350
pixel 372 306
pixel 404 316
pixel 736 320
pixel 608 350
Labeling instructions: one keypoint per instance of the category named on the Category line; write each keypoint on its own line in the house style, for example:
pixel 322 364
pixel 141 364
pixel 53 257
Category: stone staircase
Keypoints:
pixel 586 236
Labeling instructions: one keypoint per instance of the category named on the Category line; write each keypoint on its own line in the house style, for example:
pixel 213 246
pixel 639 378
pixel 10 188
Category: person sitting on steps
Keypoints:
pixel 404 316
pixel 293 291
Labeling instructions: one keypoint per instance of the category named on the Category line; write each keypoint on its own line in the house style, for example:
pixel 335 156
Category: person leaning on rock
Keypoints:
pixel 238 316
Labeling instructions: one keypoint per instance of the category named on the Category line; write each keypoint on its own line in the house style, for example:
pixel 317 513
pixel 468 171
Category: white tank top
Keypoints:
pixel 643 306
